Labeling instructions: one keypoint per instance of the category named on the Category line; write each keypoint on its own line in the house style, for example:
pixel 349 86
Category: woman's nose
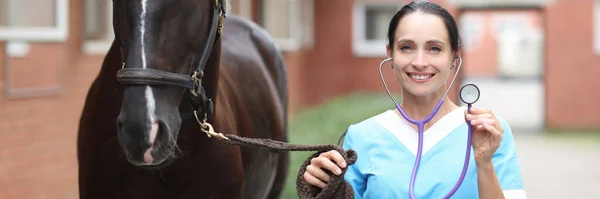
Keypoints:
pixel 420 60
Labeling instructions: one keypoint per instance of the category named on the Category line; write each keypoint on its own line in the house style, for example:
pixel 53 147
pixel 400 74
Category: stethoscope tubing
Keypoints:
pixel 421 125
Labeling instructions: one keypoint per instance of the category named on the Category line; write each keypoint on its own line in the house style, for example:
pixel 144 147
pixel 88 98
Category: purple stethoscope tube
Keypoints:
pixel 469 94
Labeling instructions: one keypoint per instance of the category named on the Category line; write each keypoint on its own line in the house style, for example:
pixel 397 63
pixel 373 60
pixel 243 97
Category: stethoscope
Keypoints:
pixel 469 94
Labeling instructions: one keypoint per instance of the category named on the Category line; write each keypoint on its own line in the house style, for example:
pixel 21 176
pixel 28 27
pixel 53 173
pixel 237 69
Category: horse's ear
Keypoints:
pixel 339 142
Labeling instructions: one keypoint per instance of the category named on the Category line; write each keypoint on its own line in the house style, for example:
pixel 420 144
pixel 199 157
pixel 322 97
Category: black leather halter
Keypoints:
pixel 200 103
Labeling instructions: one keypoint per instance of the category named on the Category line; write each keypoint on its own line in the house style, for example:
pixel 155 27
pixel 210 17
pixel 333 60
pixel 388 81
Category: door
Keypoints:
pixel 503 56
pixel 98 26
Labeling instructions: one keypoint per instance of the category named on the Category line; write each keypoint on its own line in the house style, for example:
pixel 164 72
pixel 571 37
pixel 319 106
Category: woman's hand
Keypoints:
pixel 487 134
pixel 315 175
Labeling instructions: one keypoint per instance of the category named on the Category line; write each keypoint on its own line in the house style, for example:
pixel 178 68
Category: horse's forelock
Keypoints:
pixel 171 29
pixel 183 29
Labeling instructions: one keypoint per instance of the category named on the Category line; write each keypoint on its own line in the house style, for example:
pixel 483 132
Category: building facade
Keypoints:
pixel 536 64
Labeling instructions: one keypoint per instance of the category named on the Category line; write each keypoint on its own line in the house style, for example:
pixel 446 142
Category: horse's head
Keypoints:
pixel 165 45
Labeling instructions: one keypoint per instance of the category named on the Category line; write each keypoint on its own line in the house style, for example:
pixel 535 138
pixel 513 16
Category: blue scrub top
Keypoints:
pixel 387 146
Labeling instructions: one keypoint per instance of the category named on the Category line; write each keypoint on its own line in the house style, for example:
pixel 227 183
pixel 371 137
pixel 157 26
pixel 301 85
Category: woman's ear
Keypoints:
pixel 456 60
pixel 390 54
pixel 388 50
pixel 458 52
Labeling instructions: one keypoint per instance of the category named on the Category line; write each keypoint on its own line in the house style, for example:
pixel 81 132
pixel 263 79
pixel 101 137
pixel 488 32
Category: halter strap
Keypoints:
pixel 198 99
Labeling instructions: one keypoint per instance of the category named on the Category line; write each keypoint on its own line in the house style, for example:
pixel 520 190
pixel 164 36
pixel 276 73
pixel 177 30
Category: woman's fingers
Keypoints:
pixel 315 175
pixel 481 121
pixel 479 116
pixel 319 173
pixel 313 180
pixel 495 132
pixel 480 111
pixel 325 163
pixel 492 122
pixel 335 156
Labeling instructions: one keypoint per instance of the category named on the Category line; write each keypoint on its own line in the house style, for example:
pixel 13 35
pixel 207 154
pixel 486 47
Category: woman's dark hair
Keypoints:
pixel 431 8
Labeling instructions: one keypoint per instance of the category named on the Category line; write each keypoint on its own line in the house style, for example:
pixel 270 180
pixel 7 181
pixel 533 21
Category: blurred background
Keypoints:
pixel 536 62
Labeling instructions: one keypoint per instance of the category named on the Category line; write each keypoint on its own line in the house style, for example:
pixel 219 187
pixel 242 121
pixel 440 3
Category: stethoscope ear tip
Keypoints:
pixel 391 64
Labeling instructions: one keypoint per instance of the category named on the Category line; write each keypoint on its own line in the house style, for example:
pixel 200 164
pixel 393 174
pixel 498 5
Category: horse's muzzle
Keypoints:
pixel 143 142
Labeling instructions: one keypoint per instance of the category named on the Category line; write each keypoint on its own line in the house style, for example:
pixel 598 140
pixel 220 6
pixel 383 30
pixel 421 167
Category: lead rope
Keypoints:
pixel 337 188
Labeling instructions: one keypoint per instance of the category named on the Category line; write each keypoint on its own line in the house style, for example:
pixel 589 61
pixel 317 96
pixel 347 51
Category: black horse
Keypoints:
pixel 173 65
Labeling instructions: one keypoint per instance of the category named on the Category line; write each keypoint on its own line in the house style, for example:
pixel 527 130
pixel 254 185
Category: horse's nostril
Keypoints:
pixel 119 124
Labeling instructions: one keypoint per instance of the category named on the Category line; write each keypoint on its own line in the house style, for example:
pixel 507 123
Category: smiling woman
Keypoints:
pixel 424 49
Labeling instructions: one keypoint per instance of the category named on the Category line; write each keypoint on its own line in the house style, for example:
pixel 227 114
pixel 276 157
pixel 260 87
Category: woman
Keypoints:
pixel 425 49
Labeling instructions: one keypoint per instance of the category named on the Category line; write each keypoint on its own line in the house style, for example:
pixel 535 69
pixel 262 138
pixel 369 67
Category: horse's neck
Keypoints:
pixel 111 63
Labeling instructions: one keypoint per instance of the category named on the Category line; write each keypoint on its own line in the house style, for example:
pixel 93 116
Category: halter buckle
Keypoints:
pixel 197 83
pixel 220 28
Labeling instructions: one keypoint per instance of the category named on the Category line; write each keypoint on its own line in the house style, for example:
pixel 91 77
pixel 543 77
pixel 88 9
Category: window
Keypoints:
pixel 290 22
pixel 240 7
pixel 31 20
pixel 370 24
pixel 520 44
pixel 99 34
pixel 597 26
pixel 472 27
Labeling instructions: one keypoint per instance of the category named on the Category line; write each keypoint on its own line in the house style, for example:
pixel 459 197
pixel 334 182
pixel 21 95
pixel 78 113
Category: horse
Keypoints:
pixel 177 67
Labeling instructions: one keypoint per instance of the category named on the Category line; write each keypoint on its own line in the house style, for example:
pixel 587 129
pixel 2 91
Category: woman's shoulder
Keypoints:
pixel 369 128
pixel 371 122
pixel 502 122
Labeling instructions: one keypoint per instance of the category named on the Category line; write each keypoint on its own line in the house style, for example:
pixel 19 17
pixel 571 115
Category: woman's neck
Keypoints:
pixel 420 107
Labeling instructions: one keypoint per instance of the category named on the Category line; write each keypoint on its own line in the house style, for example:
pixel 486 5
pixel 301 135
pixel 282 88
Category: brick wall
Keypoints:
pixel 572 67
pixel 38 137
pixel 38 133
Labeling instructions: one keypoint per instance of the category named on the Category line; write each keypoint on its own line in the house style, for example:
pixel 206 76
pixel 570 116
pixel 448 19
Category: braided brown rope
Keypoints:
pixel 337 188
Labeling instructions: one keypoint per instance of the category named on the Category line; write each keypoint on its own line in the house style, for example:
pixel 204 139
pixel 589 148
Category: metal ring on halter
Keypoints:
pixel 390 94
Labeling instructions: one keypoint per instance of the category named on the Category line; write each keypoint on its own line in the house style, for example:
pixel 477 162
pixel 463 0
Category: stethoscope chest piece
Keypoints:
pixel 469 94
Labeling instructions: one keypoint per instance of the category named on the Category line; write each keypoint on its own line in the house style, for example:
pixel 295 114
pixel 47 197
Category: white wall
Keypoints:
pixel 519 102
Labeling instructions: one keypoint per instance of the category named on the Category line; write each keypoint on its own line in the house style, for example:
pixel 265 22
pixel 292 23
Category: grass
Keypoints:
pixel 325 124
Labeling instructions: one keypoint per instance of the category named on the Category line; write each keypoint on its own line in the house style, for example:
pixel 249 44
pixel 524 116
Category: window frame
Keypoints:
pixel 245 8
pixel 59 33
pixel 301 35
pixel 361 47
pixel 101 46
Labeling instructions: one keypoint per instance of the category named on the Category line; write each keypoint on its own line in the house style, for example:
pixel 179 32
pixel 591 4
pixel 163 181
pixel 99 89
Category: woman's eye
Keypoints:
pixel 404 48
pixel 436 49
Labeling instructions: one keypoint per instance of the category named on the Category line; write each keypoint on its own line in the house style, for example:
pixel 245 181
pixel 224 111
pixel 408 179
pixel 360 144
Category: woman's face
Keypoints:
pixel 422 55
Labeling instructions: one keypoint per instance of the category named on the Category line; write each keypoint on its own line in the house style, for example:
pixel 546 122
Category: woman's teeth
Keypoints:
pixel 421 77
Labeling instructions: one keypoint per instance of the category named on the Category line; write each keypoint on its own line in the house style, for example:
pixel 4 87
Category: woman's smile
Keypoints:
pixel 420 77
